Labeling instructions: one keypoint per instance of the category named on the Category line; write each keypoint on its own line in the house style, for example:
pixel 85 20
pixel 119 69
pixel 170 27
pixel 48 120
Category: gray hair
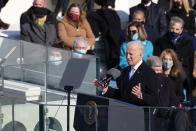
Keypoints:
pixel 139 46
pixel 80 40
pixel 176 19
pixel 153 61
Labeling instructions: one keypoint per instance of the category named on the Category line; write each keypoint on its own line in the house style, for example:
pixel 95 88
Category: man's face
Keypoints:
pixel 157 69
pixel 133 55
pixel 138 17
pixel 80 46
pixel 177 28
pixel 39 3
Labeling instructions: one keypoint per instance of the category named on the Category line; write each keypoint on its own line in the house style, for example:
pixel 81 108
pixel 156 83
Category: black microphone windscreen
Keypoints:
pixel 114 73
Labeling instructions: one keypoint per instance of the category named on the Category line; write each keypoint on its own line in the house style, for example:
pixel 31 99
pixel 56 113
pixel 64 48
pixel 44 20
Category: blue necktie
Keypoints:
pixel 131 73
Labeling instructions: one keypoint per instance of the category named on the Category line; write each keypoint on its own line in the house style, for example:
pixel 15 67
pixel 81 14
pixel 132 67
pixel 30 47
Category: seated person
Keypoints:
pixel 80 45
pixel 38 24
pixel 73 25
pixel 27 17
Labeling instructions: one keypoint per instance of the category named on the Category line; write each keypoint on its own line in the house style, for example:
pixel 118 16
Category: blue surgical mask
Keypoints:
pixel 77 54
pixel 81 51
pixel 55 60
pixel 167 64
pixel 135 36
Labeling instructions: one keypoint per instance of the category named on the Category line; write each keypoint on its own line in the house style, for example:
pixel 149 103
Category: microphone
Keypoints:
pixel 110 74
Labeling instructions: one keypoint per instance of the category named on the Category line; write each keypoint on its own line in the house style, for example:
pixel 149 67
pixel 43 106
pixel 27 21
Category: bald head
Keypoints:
pixel 134 52
pixel 39 3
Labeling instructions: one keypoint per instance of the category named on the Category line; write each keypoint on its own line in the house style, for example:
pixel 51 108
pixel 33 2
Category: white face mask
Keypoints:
pixel 81 51
pixel 135 36
pixel 55 60
pixel 167 64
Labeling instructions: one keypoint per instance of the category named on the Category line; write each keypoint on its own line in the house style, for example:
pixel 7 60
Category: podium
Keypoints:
pixel 97 113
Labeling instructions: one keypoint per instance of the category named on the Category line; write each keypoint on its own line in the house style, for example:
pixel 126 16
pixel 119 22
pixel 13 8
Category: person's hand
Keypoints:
pixel 100 86
pixel 136 90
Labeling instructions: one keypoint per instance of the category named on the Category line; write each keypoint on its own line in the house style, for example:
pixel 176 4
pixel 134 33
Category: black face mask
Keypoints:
pixel 39 12
pixel 176 5
pixel 145 1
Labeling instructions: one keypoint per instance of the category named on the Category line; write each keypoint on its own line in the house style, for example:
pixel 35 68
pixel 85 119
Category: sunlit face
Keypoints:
pixel 157 69
pixel 75 10
pixel 39 3
pixel 133 54
pixel 133 30
pixel 167 58
pixel 177 28
pixel 138 17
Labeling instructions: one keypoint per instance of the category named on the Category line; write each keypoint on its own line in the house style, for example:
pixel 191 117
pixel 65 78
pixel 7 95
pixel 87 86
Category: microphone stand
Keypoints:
pixel 68 89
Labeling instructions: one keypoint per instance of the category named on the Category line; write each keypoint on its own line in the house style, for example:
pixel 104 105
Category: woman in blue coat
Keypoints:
pixel 135 32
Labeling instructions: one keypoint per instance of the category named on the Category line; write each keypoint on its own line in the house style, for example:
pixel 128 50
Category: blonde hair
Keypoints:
pixel 185 5
pixel 175 70
pixel 141 31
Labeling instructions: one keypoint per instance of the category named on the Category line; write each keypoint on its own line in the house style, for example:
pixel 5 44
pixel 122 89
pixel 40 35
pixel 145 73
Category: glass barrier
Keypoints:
pixel 16 115
pixel 28 64
pixel 33 99
pixel 99 114
pixel 116 118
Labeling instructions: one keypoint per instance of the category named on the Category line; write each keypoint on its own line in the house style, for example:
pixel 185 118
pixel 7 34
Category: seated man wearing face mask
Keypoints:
pixel 38 24
pixel 183 47
pixel 80 47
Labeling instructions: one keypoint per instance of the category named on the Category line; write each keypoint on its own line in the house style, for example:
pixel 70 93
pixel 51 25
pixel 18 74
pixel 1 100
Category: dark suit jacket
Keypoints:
pixel 155 16
pixel 144 75
pixel 167 96
pixel 32 33
pixel 188 18
pixel 107 22
pixel 183 48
